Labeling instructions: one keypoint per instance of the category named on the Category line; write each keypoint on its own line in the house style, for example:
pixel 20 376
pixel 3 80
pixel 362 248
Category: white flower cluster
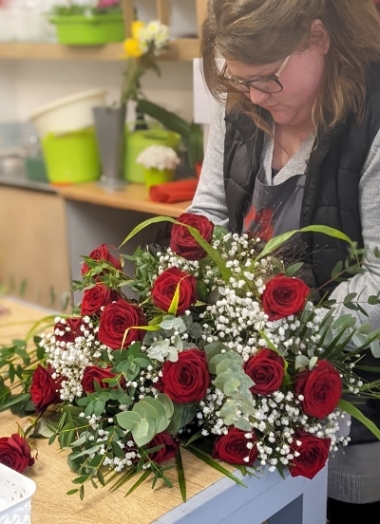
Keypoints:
pixel 155 36
pixel 69 359
pixel 158 157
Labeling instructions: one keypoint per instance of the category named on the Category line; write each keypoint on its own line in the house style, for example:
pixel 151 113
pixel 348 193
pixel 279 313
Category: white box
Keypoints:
pixel 16 493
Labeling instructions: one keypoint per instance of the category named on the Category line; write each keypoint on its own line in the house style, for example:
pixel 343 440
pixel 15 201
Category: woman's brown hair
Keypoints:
pixel 260 32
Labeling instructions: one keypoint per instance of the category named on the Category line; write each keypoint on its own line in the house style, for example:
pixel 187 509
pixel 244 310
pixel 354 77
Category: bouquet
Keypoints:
pixel 213 345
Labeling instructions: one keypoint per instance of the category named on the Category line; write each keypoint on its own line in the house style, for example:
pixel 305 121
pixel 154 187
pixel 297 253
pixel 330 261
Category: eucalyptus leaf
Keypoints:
pixel 167 404
pixel 128 419
pixel 183 414
pixel 143 432
pixel 301 362
pixel 375 348
pixel 242 424
pixel 161 420
pixel 215 348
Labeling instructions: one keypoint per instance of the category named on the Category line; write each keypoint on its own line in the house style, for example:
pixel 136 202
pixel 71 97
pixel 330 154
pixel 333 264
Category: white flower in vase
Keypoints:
pixel 158 157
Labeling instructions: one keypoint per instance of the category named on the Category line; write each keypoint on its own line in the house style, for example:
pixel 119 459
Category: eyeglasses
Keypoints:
pixel 265 84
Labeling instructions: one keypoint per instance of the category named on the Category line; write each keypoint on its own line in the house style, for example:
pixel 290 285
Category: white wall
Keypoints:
pixel 27 84
pixel 8 102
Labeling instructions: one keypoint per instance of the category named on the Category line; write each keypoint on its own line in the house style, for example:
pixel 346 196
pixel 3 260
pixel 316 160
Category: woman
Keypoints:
pixel 297 142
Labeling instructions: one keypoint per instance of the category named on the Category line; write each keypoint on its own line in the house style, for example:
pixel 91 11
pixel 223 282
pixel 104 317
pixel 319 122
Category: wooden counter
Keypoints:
pixel 133 197
pixel 34 258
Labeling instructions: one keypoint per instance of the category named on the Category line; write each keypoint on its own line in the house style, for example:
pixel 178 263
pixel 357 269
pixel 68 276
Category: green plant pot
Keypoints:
pixel 137 141
pixel 153 177
pixel 71 158
pixel 89 30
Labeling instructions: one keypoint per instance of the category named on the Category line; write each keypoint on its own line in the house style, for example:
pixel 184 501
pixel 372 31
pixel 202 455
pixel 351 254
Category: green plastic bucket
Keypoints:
pixel 137 141
pixel 89 30
pixel 71 158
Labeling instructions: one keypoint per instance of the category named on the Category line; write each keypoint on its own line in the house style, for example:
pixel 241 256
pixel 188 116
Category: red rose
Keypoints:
pixel 115 319
pixel 168 450
pixel 187 379
pixel 321 388
pixel 284 296
pixel 44 390
pixel 313 454
pixel 69 330
pixel 182 241
pixel 266 369
pixel 164 288
pixel 15 453
pixel 96 297
pixel 101 253
pixel 232 448
pixel 95 374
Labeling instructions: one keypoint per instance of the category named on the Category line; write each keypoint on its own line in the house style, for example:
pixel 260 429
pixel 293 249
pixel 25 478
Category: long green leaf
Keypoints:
pixel 212 253
pixel 168 119
pixel 276 242
pixel 356 413
pixel 124 478
pixel 138 483
pixel 214 464
pixel 19 399
pixel 181 474
pixel 175 301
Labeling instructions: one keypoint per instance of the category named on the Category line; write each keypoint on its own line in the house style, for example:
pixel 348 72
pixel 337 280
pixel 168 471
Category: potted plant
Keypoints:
pixel 88 22
pixel 159 163
pixel 141 50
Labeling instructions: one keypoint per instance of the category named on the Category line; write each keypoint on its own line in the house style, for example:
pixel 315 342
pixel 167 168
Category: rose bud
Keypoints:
pixel 44 390
pixel 187 379
pixel 232 448
pixel 321 389
pixel 284 296
pixel 15 453
pixel 313 454
pixel 266 369
pixel 97 297
pixel 116 319
pixel 168 450
pixel 95 374
pixel 69 330
pixel 165 286
pixel 99 254
pixel 182 241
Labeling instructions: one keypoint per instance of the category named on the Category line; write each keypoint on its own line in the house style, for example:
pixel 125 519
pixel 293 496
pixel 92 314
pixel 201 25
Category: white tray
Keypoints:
pixel 16 493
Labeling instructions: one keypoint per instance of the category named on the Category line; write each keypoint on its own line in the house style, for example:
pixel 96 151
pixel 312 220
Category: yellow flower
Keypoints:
pixel 131 46
pixel 135 28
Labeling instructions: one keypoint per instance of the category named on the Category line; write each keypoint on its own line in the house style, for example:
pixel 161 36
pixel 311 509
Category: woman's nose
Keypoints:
pixel 257 97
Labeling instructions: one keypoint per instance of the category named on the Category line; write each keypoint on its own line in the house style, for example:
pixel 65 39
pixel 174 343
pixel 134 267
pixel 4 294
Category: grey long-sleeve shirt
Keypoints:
pixel 210 200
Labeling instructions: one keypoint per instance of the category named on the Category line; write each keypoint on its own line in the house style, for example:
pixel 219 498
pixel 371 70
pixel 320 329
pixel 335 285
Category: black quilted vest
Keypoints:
pixel 331 194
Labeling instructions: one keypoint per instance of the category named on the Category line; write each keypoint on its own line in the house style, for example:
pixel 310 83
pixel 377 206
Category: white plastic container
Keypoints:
pixel 16 493
pixel 71 113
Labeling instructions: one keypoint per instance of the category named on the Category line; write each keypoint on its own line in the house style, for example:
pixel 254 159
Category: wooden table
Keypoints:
pixel 212 498
pixel 132 197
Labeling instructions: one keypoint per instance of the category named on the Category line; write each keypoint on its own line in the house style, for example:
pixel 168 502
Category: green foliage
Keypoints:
pixel 148 417
pixel 191 133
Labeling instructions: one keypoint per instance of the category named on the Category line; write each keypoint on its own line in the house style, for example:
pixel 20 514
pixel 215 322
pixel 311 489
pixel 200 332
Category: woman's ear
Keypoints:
pixel 320 35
